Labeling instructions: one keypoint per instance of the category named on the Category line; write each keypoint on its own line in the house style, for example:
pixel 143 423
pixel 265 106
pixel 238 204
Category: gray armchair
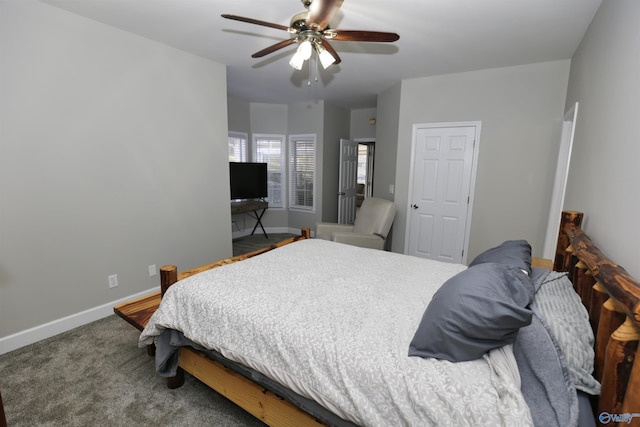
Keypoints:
pixel 369 230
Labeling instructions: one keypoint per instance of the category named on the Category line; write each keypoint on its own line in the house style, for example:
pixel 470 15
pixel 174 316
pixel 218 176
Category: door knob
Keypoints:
pixel 414 206
pixel 342 193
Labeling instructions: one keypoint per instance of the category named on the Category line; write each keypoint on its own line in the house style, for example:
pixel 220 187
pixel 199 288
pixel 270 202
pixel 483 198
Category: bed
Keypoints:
pixel 532 355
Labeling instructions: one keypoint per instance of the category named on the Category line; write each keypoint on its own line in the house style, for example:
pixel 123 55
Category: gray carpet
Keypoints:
pixel 251 243
pixel 96 375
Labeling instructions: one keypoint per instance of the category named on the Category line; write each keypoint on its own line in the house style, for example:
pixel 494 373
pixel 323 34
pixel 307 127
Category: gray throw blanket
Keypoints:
pixel 546 384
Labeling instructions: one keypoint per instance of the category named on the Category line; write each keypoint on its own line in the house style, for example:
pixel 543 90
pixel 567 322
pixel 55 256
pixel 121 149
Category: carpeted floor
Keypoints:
pixel 96 375
pixel 251 243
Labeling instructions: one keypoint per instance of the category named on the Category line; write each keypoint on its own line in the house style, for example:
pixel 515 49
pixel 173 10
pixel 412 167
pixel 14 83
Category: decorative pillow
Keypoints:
pixel 516 253
pixel 479 309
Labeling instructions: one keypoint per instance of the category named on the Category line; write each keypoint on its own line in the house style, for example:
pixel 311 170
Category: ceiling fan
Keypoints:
pixel 311 30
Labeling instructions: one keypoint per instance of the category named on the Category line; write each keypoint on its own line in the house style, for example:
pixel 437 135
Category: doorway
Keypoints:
pixel 364 181
pixel 355 177
pixel 441 189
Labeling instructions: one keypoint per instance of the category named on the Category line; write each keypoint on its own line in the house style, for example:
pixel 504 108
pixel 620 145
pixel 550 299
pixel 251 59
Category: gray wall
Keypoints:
pixel 112 158
pixel 521 110
pixel 360 127
pixel 239 111
pixel 387 123
pixel 604 173
pixel 336 127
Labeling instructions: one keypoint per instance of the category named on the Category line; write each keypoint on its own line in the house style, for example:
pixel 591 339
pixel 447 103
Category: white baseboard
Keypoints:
pixel 55 327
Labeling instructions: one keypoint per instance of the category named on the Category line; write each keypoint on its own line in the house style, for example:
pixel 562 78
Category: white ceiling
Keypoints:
pixel 436 37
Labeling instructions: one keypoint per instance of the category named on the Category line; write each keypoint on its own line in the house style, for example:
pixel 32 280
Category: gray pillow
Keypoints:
pixel 516 253
pixel 478 309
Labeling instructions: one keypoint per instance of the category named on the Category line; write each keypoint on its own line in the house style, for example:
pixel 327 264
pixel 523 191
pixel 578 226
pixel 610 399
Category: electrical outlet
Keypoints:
pixel 152 270
pixel 113 280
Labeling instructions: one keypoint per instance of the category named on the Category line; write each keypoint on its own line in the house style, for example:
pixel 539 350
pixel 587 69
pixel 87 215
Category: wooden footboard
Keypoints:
pixel 612 298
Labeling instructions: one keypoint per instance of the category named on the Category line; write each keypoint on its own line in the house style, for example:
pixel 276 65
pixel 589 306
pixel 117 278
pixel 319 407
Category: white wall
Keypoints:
pixel 604 172
pixel 112 158
pixel 521 110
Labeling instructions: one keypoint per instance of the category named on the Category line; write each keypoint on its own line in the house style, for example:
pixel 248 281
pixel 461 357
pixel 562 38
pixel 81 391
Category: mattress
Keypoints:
pixel 333 323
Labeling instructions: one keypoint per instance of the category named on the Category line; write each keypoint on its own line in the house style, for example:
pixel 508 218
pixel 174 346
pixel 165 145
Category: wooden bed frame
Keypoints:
pixel 610 294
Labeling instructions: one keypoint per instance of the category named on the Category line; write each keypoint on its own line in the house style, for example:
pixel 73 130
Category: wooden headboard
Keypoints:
pixel 612 298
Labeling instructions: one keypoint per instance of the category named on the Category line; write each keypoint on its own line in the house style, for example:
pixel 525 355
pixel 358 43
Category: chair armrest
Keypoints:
pixel 363 240
pixel 324 230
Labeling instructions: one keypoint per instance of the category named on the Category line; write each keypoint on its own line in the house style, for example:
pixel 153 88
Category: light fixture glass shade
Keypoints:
pixel 296 61
pixel 304 50
pixel 326 59
pixel 302 54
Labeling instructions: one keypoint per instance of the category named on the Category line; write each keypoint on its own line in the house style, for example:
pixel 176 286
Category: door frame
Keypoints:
pixel 371 147
pixel 472 187
pixel 560 181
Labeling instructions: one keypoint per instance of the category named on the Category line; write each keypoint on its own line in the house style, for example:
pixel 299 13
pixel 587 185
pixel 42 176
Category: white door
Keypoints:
pixel 560 182
pixel 347 181
pixel 441 190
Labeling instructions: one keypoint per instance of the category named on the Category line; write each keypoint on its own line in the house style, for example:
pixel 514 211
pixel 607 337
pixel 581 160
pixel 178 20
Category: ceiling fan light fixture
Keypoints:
pixel 302 54
pixel 296 62
pixel 305 49
pixel 326 59
pixel 311 30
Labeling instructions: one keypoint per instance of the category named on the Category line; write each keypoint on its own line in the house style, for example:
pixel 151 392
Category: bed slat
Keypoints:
pixel 262 404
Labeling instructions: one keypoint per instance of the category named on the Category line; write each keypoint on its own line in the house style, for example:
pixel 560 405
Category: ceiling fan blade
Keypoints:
pixel 360 36
pixel 273 48
pixel 321 12
pixel 255 21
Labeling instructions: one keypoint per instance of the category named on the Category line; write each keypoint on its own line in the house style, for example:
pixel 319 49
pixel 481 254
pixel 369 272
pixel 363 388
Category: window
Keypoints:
pixel 270 149
pixel 237 147
pixel 302 167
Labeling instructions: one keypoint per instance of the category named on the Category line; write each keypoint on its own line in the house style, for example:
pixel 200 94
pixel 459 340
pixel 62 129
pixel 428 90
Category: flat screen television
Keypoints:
pixel 248 180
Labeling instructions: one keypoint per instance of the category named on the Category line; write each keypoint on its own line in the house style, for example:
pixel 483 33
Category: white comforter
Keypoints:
pixel 333 323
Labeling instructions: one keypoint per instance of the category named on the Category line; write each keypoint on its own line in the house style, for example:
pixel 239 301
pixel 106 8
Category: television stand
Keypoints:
pixel 253 208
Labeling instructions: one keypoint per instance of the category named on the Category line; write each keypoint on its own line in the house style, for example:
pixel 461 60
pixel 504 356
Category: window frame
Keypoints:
pixel 292 172
pixel 255 138
pixel 244 137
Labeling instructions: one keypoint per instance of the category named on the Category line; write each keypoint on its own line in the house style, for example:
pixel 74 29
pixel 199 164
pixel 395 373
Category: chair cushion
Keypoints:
pixel 375 217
